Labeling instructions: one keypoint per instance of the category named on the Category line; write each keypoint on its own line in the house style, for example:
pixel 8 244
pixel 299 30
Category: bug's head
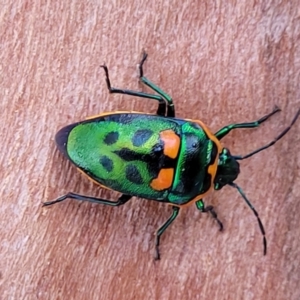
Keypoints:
pixel 228 169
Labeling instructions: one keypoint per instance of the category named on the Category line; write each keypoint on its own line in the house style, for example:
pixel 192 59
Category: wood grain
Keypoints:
pixel 223 62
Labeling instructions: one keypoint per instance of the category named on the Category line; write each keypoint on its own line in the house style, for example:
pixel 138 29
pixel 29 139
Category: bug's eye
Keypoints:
pixel 220 182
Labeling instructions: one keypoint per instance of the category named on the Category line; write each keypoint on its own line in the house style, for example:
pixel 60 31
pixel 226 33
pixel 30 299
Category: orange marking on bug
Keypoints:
pixel 164 180
pixel 171 143
pixel 212 169
pixel 198 197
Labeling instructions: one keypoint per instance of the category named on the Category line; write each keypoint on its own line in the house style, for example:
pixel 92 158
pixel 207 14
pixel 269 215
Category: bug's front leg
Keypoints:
pixel 225 130
pixel 208 209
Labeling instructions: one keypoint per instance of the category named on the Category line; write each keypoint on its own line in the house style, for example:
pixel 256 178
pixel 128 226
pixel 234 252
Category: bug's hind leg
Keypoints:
pixel 165 102
pixel 162 229
pixel 122 199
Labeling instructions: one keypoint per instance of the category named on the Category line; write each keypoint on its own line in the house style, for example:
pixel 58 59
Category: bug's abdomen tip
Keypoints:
pixel 61 138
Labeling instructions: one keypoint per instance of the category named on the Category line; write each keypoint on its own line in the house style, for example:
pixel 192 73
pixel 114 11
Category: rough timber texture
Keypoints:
pixel 223 62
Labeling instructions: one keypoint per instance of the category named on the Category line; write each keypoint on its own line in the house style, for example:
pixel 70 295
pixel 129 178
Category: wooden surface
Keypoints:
pixel 223 62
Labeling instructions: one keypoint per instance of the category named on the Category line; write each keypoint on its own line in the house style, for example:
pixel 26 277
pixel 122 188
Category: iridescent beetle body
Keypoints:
pixel 153 157
pixel 157 157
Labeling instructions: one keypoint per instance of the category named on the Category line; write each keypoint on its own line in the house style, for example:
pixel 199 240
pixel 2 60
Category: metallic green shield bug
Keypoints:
pixel 157 157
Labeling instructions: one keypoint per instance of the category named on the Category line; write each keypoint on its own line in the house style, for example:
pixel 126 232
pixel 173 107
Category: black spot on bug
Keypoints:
pixel 158 149
pixel 106 163
pixel 129 155
pixel 155 160
pixel 141 136
pixel 133 174
pixel 111 138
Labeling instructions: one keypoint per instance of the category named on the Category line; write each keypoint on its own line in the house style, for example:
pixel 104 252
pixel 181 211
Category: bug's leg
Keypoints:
pixel 162 229
pixel 225 130
pixel 161 102
pixel 154 87
pixel 209 209
pixel 240 157
pixel 122 199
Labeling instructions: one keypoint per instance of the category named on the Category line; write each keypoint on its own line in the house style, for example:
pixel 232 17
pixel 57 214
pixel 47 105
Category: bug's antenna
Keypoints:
pixel 239 157
pixel 255 213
